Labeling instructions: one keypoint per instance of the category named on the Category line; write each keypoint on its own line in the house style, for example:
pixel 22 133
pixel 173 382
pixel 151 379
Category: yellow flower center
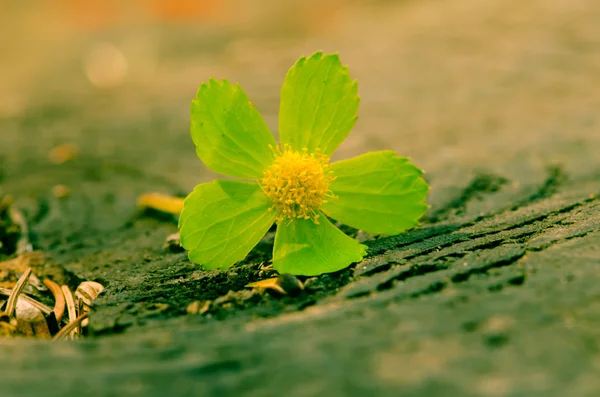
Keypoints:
pixel 298 183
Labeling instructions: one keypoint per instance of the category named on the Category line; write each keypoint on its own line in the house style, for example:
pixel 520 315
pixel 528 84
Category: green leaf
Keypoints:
pixel 304 248
pixel 222 221
pixel 230 135
pixel 319 102
pixel 378 192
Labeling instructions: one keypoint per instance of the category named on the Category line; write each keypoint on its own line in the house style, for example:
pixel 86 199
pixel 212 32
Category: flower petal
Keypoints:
pixel 319 102
pixel 304 248
pixel 378 192
pixel 230 135
pixel 222 221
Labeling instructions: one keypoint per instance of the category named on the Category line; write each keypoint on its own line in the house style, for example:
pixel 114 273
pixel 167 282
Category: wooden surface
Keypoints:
pixel 497 294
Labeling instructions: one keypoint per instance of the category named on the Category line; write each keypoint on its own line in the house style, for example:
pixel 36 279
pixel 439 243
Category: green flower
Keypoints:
pixel 293 185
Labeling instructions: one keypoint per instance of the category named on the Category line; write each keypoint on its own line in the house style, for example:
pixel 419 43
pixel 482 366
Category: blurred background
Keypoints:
pixel 460 86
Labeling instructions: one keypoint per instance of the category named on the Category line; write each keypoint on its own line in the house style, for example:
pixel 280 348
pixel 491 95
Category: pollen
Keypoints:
pixel 298 183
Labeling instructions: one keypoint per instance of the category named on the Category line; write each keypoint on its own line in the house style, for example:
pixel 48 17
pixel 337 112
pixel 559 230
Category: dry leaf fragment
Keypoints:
pixel 59 298
pixel 87 291
pixel 284 284
pixel 31 321
pixel 161 202
pixel 43 308
pixel 198 307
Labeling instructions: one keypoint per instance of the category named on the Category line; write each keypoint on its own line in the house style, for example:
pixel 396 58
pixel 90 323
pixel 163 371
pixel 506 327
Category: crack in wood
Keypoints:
pixel 442 254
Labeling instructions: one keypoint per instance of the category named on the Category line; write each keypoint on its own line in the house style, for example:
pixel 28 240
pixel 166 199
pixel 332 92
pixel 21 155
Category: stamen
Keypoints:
pixel 298 183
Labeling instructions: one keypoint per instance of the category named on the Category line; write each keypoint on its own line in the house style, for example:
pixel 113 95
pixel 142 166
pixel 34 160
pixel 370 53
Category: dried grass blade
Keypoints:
pixel 71 308
pixel 17 290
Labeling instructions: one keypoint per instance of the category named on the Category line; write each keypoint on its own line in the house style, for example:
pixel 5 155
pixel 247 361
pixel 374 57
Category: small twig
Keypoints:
pixel 11 304
pixel 69 328
pixel 16 217
pixel 59 298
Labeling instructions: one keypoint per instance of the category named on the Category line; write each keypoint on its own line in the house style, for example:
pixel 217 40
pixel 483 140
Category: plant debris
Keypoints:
pixel 61 191
pixel 71 308
pixel 24 316
pixel 71 328
pixel 59 298
pixel 198 307
pixel 161 202
pixel 85 294
pixel 11 304
pixel 284 284
pixel 63 153
pixel 173 243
